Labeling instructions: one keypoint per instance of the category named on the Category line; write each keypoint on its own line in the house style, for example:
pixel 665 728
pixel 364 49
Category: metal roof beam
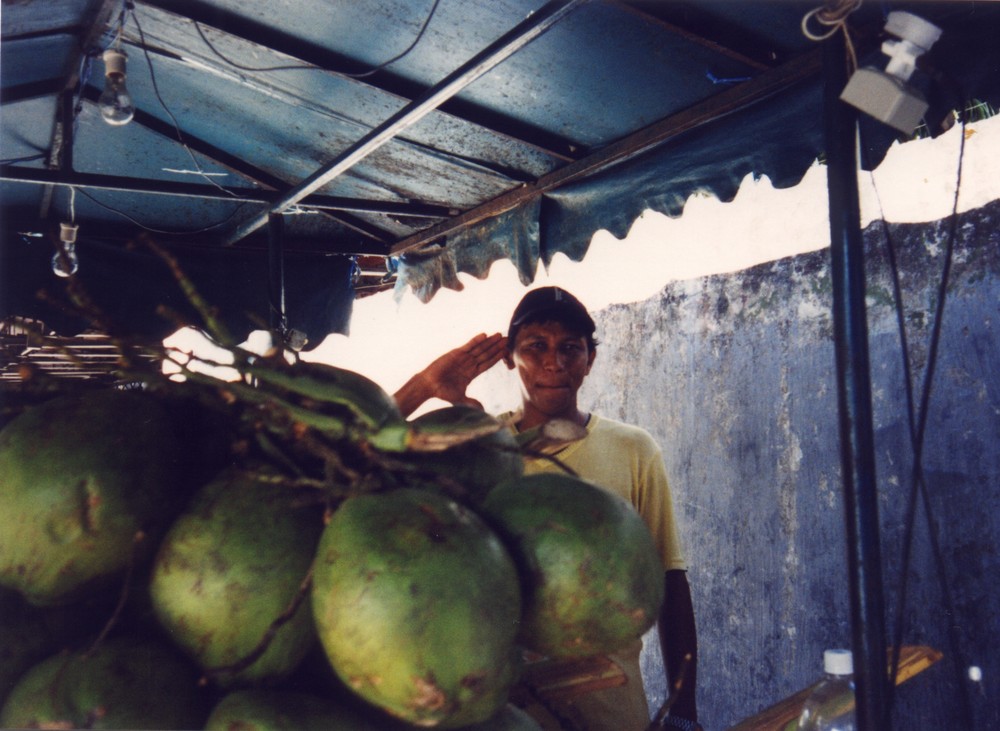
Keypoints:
pixel 94 181
pixel 271 182
pixel 31 90
pixel 508 44
pixel 296 49
pixel 767 83
pixel 34 35
pixel 210 152
pixel 693 37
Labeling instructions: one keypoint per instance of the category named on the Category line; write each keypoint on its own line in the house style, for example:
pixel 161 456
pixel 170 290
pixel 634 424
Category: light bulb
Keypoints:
pixel 65 261
pixel 115 102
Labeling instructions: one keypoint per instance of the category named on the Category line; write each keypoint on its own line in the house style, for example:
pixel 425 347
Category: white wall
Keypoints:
pixel 391 339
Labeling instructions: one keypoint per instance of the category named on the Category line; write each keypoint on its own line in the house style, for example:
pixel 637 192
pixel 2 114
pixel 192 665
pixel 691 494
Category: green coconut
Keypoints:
pixel 229 567
pixel 259 709
pixel 82 478
pixel 471 469
pixel 593 578
pixel 29 634
pixel 417 602
pixel 126 683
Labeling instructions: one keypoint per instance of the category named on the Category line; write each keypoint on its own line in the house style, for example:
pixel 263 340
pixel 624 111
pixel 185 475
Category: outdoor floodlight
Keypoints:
pixel 887 95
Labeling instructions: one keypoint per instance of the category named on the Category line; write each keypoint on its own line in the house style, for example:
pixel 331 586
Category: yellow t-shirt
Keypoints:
pixel 626 460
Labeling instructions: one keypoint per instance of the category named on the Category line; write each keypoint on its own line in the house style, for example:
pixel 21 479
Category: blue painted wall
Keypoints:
pixel 734 376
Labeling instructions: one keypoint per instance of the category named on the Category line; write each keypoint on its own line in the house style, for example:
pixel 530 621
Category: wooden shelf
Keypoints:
pixel 913 659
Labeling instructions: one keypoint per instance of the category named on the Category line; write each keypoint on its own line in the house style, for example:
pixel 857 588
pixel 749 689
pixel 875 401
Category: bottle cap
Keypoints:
pixel 838 662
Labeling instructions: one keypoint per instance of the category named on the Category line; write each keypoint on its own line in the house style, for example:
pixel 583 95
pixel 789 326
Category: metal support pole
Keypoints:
pixel 854 398
pixel 276 272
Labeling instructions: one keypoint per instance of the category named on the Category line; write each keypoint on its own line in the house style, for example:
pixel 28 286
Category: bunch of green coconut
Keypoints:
pixel 294 556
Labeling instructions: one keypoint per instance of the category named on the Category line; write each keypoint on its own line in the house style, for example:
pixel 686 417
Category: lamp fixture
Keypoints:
pixel 115 102
pixel 65 261
pixel 887 95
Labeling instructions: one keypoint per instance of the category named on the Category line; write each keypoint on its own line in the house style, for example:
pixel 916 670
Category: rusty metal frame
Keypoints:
pixel 508 44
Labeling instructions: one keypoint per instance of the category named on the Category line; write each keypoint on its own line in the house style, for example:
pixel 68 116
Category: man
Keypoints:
pixel 551 345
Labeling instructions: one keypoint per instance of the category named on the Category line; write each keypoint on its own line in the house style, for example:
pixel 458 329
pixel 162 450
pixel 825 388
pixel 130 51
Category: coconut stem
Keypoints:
pixel 122 596
pixel 265 641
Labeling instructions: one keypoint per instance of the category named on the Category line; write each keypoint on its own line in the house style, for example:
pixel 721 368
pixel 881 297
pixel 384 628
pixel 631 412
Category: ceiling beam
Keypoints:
pixel 95 181
pixel 501 49
pixel 692 36
pixel 31 90
pixel 241 167
pixel 34 35
pixel 212 153
pixel 719 105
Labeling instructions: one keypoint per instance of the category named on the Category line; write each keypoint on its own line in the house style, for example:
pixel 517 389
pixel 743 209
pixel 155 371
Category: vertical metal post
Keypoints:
pixel 61 152
pixel 276 272
pixel 854 398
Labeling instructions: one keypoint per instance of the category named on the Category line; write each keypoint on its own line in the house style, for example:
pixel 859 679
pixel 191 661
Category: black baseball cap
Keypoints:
pixel 551 304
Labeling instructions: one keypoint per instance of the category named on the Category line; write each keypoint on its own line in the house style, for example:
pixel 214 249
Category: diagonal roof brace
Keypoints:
pixel 508 44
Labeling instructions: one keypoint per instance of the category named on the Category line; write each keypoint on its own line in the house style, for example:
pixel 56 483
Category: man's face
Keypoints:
pixel 552 362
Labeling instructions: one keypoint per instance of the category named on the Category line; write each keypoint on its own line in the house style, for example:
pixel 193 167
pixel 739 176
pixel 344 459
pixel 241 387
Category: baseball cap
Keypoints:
pixel 551 304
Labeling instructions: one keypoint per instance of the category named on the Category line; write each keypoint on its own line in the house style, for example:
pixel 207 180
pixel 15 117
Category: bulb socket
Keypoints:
pixel 67 232
pixel 114 62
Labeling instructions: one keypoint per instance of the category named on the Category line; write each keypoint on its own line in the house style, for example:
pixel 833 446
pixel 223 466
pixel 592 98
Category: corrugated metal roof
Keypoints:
pixel 428 146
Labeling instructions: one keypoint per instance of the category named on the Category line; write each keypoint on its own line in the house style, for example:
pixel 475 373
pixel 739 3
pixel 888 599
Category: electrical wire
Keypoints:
pixel 128 8
pixel 291 67
pixel 82 77
pixel 241 67
pixel 917 420
pixel 190 232
pixel 122 18
pixel 26 158
pixel 173 119
pixel 834 18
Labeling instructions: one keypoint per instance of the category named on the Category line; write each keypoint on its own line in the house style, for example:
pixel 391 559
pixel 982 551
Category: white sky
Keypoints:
pixel 391 340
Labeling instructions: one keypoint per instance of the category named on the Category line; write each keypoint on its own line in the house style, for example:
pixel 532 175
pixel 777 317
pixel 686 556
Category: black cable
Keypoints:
pixel 241 67
pixel 917 420
pixel 121 213
pixel 291 67
pixel 173 119
pixel 26 158
pixel 919 478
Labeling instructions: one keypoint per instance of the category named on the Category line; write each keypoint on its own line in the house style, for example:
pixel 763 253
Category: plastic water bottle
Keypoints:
pixel 830 706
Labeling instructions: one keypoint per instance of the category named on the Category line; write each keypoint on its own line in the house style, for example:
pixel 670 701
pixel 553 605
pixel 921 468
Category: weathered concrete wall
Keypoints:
pixel 734 376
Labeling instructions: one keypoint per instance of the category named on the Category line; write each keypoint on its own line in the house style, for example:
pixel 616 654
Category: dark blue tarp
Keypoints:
pixel 778 137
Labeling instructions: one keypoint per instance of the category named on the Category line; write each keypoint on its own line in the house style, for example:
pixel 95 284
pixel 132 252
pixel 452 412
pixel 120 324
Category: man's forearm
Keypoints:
pixel 679 644
pixel 448 376
pixel 413 394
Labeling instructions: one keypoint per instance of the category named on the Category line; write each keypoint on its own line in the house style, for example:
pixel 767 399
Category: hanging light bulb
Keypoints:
pixel 65 261
pixel 115 101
